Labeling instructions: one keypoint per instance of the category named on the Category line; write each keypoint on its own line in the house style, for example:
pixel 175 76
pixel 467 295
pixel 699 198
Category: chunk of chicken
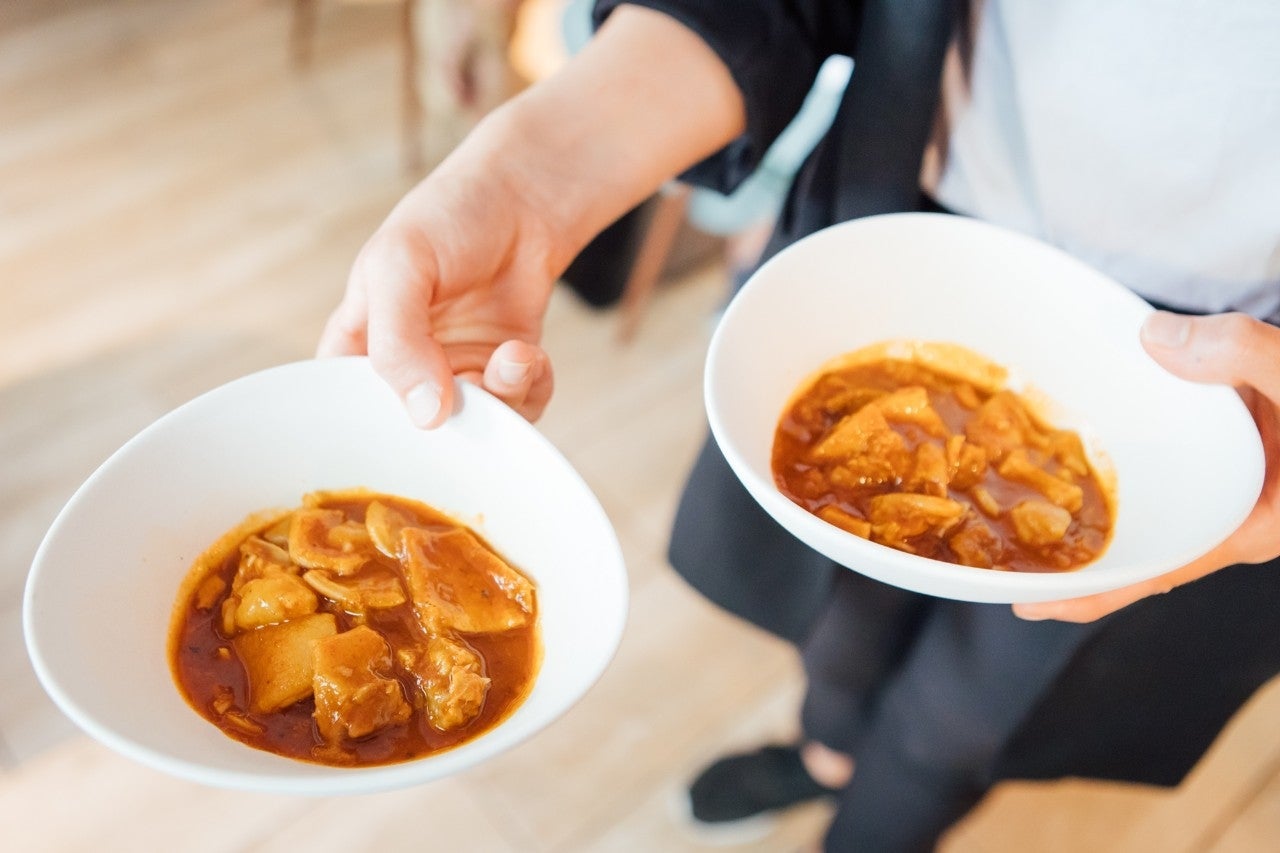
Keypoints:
pixel 1000 425
pixel 967 396
pixel 276 597
pixel 355 693
pixel 278 660
pixel 845 395
pixel 914 513
pixel 1037 522
pixel 897 517
pixel 456 583
pixel 911 405
pixel 324 539
pixel 1067 448
pixel 967 461
pixel 1019 468
pixel 932 473
pixel 451 681
pixel 867 448
pixel 975 544
pixel 370 590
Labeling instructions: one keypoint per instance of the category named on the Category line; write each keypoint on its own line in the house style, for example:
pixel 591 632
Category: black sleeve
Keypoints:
pixel 773 49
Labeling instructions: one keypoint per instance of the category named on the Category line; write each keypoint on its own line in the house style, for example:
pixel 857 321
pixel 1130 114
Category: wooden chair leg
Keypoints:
pixel 412 110
pixel 660 235
pixel 302 31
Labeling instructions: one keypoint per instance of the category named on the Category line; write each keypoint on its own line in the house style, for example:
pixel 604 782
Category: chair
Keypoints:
pixel 302 49
pixel 475 36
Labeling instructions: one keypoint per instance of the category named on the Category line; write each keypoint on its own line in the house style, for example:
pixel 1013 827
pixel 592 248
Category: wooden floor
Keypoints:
pixel 179 207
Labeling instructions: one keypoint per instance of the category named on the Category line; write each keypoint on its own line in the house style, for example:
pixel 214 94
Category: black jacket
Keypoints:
pixel 869 163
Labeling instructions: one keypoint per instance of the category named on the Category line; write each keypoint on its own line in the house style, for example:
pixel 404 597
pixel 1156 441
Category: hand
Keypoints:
pixel 1231 349
pixel 454 282
pixel 457 280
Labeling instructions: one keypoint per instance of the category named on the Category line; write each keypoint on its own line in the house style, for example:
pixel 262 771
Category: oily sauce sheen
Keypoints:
pixel 995 488
pixel 214 679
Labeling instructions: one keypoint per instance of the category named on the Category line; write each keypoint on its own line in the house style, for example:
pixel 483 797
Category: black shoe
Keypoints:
pixel 744 786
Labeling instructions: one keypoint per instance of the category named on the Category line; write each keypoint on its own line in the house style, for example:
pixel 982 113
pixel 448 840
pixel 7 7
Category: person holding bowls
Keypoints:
pixel 1138 144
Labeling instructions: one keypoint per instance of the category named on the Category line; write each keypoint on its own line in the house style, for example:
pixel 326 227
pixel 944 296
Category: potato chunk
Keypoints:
pixel 355 693
pixel 1038 522
pixel 451 680
pixel 456 583
pixel 278 660
pixel 277 597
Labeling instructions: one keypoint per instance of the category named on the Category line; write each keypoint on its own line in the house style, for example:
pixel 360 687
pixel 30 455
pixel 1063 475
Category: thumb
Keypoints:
pixel 1230 349
pixel 400 281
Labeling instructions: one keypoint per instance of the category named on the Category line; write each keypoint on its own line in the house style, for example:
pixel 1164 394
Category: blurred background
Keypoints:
pixel 183 186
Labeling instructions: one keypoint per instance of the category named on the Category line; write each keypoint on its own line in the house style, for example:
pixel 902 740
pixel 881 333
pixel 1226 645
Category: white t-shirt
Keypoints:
pixel 1141 136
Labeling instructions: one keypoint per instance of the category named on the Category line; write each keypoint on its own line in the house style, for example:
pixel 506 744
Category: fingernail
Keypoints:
pixel 423 403
pixel 513 372
pixel 1166 330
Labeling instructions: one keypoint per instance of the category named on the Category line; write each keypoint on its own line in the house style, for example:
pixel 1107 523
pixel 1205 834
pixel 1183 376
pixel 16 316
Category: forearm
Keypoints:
pixel 643 101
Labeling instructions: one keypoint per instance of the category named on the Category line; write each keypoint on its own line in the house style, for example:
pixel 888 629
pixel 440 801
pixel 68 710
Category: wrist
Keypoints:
pixel 604 133
pixel 551 172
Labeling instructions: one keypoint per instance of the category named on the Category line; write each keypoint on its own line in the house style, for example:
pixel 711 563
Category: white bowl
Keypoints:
pixel 1187 458
pixel 103 583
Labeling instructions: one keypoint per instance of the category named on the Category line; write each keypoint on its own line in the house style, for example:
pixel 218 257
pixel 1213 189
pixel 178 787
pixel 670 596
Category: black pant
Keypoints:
pixel 931 697
pixel 924 693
